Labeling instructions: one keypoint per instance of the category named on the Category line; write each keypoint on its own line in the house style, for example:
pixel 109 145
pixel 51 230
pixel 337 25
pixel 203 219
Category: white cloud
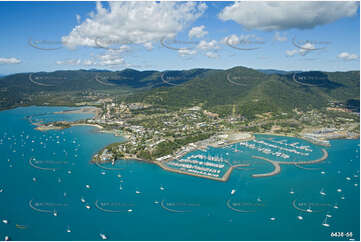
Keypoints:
pixel 211 54
pixel 110 59
pixel 347 56
pixel 186 52
pixel 279 37
pixel 69 62
pixel 11 60
pixel 269 16
pixel 197 32
pixel 134 22
pixel 211 45
pixel 291 52
pixel 78 18
pixel 242 39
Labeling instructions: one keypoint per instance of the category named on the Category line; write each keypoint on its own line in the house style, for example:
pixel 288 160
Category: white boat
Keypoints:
pixel 55 213
pixel 328 215
pixel 34 179
pixel 5 221
pixel 69 172
pixel 292 192
pixel 322 172
pixel 156 202
pixel 348 178
pixel 103 236
pixel 322 192
pixel 309 210
pixel 324 222
pixel 130 210
pixel 259 199
pixel 82 200
pixel 233 191
pixel 87 186
pixel 120 187
pixel 1 190
pixel 272 219
pixel 87 206
pixel 137 192
pixel 335 206
pixel 7 238
pixel 68 230
pixel 103 173
pixel 339 190
pixel 161 188
pixel 299 217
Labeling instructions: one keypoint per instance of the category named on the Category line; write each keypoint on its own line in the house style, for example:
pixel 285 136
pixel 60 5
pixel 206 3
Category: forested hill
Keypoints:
pixel 253 92
pixel 249 91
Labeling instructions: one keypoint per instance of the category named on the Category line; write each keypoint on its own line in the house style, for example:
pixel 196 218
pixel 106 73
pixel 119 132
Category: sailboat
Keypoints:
pixel 103 236
pixel 68 230
pixel 309 210
pixel 324 222
pixel 292 192
pixel 322 192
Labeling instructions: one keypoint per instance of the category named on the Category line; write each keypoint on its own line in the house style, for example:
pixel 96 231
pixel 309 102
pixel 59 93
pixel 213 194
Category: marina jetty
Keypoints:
pixel 277 167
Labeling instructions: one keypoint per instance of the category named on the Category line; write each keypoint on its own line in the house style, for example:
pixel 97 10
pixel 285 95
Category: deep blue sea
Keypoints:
pixel 43 174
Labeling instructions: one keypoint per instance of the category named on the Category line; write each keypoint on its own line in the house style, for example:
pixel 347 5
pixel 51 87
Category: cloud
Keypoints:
pixel 242 39
pixel 269 16
pixel 186 52
pixel 211 45
pixel 11 60
pixel 347 56
pixel 78 18
pixel 211 54
pixel 278 37
pixel 197 32
pixel 69 62
pixel 291 52
pixel 134 22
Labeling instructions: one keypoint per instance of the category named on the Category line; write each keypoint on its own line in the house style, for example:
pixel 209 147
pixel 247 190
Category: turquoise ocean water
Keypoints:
pixel 140 201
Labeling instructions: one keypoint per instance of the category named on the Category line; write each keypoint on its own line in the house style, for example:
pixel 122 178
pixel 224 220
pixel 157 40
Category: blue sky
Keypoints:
pixel 286 36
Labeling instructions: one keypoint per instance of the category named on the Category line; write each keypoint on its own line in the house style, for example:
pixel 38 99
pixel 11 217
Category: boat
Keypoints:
pixel 55 213
pixel 130 210
pixel 259 199
pixel 156 202
pixel 233 191
pixel 348 178
pixel 19 226
pixel 335 206
pixel 7 238
pixel 328 215
pixel 272 219
pixel 68 230
pixel 103 173
pixel 299 217
pixel 339 190
pixel 309 210
pixel 34 179
pixel 87 186
pixel 87 206
pixel 322 192
pixel 5 221
pixel 82 200
pixel 137 192
pixel 292 192
pixel 103 236
pixel 324 222
pixel 322 172
pixel 1 190
pixel 161 188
